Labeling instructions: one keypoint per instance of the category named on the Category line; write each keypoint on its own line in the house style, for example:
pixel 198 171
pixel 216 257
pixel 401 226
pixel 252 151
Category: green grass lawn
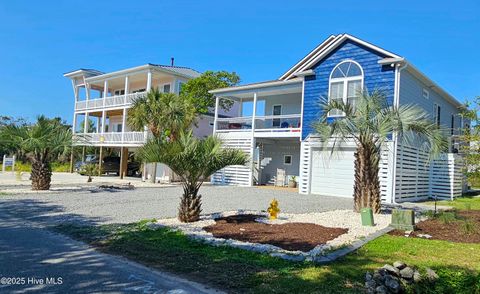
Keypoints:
pixel 466 202
pixel 240 271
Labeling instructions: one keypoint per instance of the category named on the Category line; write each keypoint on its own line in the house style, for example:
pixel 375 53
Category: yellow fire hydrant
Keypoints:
pixel 273 209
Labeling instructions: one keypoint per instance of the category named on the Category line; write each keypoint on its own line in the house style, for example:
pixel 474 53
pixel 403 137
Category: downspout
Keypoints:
pixel 396 103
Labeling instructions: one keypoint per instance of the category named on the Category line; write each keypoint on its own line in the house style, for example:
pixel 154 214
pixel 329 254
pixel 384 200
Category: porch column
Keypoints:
pixel 217 102
pixel 100 160
pixel 105 91
pixel 85 123
pixel 99 121
pixel 252 146
pixel 149 87
pixel 87 92
pixel 240 107
pixel 149 81
pixel 104 119
pixel 126 90
pixel 74 126
pixel 123 161
pixel 124 118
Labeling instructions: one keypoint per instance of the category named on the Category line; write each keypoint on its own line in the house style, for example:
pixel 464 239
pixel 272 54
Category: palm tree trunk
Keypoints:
pixel 41 175
pixel 190 204
pixel 366 192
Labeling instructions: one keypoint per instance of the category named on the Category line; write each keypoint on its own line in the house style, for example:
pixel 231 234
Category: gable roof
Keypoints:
pixel 327 46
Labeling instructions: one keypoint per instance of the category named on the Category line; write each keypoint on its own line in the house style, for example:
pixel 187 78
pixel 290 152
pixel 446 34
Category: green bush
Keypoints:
pixel 90 170
pixel 60 167
pixel 27 167
pixel 20 166
pixel 469 227
pixel 448 217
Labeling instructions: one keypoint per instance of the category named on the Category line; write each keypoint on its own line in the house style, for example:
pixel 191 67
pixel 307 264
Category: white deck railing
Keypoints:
pixel 114 138
pixel 108 102
pixel 271 125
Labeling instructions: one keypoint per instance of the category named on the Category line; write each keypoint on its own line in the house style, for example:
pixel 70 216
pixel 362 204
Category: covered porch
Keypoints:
pixel 267 110
pixel 276 162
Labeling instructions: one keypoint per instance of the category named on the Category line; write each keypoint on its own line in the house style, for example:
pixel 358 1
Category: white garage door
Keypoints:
pixel 332 174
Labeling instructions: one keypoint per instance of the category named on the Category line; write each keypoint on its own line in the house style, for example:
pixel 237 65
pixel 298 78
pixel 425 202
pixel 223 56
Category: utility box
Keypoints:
pixel 367 216
pixel 403 219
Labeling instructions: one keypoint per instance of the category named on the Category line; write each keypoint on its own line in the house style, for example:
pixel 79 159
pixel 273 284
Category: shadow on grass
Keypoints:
pixel 240 271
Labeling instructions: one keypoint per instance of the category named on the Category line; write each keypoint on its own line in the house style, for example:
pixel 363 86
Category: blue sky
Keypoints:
pixel 40 40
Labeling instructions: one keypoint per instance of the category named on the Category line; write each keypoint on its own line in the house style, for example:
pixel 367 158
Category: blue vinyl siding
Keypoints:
pixel 316 86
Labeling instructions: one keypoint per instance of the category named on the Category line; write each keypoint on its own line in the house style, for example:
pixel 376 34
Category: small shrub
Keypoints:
pixel 469 227
pixel 60 167
pixel 429 214
pixel 448 217
pixel 20 166
pixel 90 170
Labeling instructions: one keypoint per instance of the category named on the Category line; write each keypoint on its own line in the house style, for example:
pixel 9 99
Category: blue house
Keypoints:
pixel 272 122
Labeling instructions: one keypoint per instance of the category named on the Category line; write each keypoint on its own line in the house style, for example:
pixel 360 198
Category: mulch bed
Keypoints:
pixel 290 236
pixel 453 231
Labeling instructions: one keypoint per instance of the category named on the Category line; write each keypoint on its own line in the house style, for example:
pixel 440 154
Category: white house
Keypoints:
pixel 104 99
pixel 273 124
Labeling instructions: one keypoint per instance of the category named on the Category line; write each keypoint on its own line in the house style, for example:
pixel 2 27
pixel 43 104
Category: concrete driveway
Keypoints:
pixel 120 206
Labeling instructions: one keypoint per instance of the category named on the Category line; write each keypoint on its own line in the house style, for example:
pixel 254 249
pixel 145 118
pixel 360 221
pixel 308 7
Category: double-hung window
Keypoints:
pixel 346 83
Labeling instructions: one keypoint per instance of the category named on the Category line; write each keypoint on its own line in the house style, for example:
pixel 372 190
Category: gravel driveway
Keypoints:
pixel 96 206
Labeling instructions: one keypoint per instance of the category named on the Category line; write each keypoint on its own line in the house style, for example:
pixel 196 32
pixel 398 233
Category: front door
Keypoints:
pixel 277 110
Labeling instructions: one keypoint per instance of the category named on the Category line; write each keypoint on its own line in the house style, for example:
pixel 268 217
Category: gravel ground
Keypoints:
pixel 101 206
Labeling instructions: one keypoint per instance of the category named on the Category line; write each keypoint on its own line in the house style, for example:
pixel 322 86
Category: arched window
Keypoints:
pixel 346 82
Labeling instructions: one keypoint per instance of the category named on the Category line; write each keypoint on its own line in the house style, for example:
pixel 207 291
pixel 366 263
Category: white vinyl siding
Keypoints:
pixel 412 92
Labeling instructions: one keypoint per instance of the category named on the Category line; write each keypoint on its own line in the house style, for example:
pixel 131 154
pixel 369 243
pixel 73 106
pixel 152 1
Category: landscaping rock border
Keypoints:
pixel 323 253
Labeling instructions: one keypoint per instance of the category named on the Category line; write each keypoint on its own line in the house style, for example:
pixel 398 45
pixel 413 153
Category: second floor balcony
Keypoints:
pixel 132 139
pixel 268 110
pixel 288 125
pixel 108 102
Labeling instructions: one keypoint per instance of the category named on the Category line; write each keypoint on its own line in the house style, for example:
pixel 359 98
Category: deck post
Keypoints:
pixel 252 146
pixel 104 119
pixel 123 161
pixel 85 123
pixel 124 118
pixel 149 81
pixel 217 102
pixel 71 161
pixel 149 88
pixel 105 91
pixel 100 161
pixel 126 90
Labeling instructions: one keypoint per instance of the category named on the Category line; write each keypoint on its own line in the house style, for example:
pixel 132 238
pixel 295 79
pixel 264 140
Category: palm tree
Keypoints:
pixel 164 114
pixel 370 122
pixel 42 143
pixel 193 160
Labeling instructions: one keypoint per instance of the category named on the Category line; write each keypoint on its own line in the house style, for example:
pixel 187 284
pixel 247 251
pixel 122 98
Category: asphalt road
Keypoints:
pixel 45 262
